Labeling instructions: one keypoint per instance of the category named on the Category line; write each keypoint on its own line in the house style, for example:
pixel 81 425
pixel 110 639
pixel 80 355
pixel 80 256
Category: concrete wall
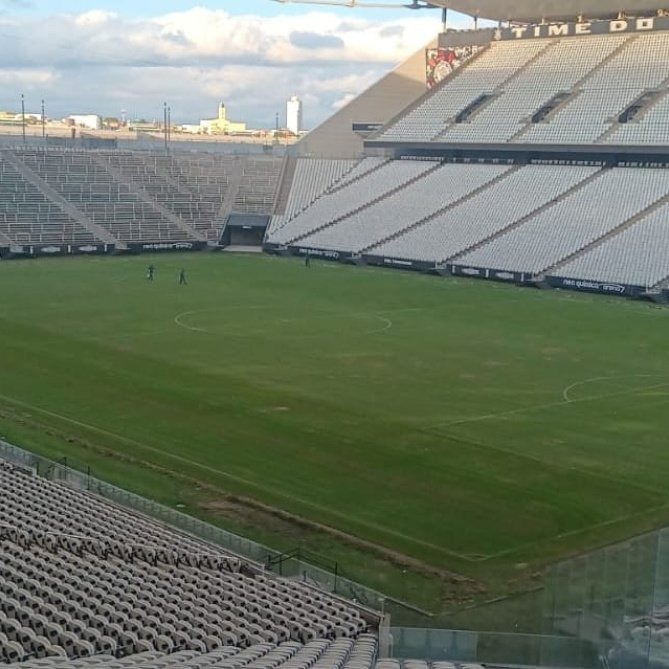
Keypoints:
pixel 334 138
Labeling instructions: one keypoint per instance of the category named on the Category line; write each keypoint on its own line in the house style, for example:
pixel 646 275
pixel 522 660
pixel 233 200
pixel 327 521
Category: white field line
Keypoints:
pixel 181 318
pixel 548 405
pixel 569 388
pixel 239 479
pixel 572 533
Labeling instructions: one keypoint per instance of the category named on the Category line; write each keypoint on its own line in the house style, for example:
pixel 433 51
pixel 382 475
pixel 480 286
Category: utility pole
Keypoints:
pixel 169 126
pixel 43 121
pixel 23 118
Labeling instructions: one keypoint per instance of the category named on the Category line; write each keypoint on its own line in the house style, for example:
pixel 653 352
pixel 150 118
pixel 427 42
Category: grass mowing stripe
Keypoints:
pixel 246 482
pixel 309 408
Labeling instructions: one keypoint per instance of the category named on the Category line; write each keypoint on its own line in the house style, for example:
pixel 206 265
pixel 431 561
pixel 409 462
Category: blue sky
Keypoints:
pixel 105 56
pixel 148 8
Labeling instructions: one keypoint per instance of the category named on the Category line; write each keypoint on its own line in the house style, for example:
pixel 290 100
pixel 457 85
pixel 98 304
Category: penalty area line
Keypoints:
pixel 548 405
pixel 594 379
pixel 576 532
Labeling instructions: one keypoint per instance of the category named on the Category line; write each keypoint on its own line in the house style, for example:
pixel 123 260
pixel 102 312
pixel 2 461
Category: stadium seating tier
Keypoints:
pixel 80 576
pixel 596 77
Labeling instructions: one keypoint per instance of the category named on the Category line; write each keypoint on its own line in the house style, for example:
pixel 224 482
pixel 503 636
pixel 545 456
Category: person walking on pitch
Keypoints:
pixel 307 260
pixel 150 272
pixel 182 277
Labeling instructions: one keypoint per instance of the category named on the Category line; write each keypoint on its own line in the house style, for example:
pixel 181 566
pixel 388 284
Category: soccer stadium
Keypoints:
pixel 406 405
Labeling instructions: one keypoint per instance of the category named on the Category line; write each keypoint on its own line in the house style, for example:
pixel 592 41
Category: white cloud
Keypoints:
pixel 95 17
pixel 198 57
pixel 343 101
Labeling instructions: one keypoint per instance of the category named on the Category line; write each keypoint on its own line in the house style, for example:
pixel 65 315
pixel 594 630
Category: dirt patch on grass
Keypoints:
pixel 248 512
pixel 235 507
pixel 244 515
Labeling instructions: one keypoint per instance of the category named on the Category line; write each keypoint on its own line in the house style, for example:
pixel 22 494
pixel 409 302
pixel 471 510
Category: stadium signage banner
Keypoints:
pixel 608 288
pixel 366 127
pixel 504 275
pixel 31 250
pixel 441 62
pixel 585 28
pixel 477 272
pixel 91 249
pixel 493 274
pixel 167 246
pixel 397 263
pixel 321 253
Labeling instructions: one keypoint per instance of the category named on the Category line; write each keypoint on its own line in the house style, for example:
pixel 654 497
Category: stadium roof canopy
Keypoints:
pixel 532 11
pixel 520 11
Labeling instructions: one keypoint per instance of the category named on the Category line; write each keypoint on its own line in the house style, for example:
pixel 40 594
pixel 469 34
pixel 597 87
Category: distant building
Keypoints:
pixel 10 118
pixel 294 115
pixel 190 128
pixel 144 126
pixel 14 118
pixel 89 121
pixel 221 125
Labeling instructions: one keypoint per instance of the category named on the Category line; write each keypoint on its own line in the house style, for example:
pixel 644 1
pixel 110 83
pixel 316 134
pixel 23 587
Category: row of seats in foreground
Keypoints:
pixel 316 654
pixel 80 577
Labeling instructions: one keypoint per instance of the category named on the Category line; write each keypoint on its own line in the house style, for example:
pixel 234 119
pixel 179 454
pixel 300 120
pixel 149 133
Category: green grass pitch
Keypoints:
pixel 472 426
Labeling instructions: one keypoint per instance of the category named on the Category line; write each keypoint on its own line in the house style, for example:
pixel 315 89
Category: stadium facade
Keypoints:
pixel 541 11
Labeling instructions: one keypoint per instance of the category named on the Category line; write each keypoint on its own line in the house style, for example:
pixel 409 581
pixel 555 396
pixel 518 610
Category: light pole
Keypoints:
pixel 43 121
pixel 169 126
pixel 165 123
pixel 23 118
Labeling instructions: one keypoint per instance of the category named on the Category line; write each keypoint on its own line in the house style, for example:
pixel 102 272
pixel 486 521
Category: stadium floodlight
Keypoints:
pixel 415 4
pixel 23 117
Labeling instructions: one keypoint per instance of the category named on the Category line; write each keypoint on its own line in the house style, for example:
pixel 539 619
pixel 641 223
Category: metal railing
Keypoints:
pixel 294 566
pixel 522 650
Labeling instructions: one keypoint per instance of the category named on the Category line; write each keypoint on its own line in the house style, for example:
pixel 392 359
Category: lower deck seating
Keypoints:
pixel 80 577
pixel 572 221
pixel 389 216
pixel 638 256
pixel 28 217
pixel 135 196
pixel 354 194
pixel 519 193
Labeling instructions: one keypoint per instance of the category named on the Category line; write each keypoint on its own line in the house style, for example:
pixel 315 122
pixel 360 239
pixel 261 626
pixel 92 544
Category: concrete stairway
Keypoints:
pixel 366 205
pixel 578 86
pixel 66 207
pixel 531 215
pixel 189 232
pixel 441 211
pixel 612 233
